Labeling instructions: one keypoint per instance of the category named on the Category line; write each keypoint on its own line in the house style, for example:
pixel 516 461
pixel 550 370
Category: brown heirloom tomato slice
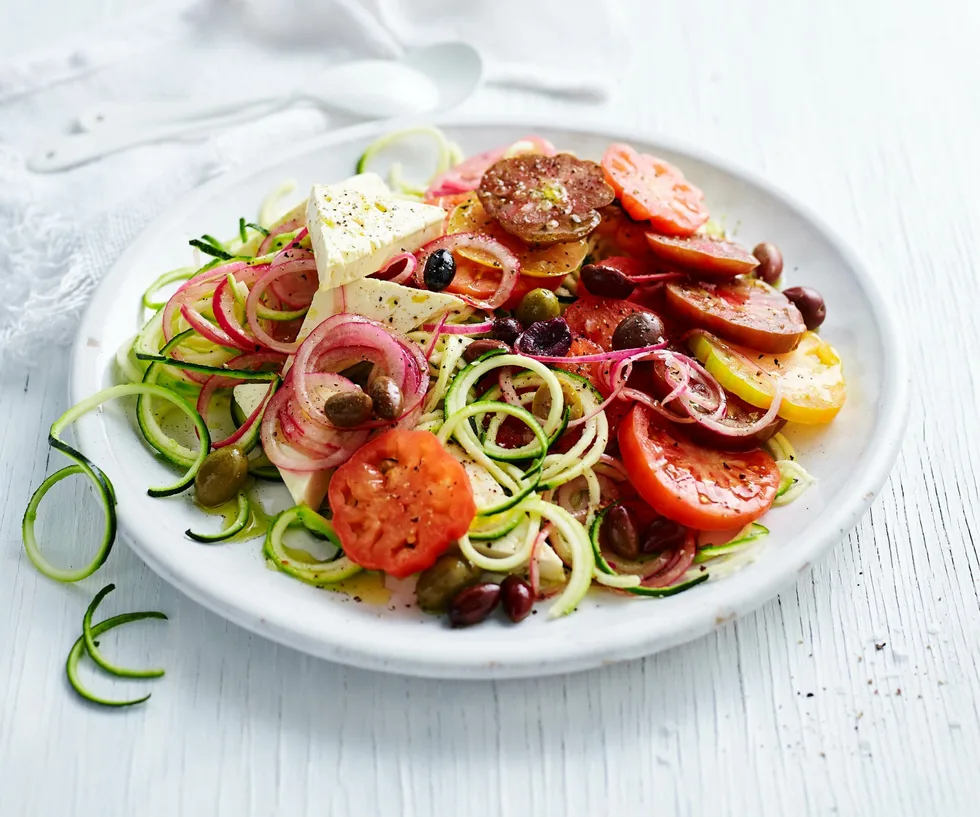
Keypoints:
pixel 695 486
pixel 545 199
pixel 745 311
pixel 703 256
pixel 400 501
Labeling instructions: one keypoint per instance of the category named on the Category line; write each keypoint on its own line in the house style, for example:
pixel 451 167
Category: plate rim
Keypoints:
pixel 868 479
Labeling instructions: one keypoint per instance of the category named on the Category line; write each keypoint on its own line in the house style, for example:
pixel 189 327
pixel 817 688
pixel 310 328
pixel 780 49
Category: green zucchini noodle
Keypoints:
pixel 449 154
pixel 794 478
pixel 271 209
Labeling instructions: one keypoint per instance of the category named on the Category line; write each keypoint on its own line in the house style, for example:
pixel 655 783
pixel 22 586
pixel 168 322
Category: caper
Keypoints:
pixel 439 271
pixel 542 401
pixel 638 330
pixel 439 584
pixel 221 476
pixel 538 305
pixel 386 397
pixel 347 409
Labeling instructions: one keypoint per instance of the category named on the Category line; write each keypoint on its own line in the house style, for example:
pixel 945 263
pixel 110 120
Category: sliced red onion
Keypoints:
pixel 435 337
pixel 657 277
pixel 252 304
pixel 754 428
pixel 679 564
pixel 399 269
pixel 287 227
pixel 506 381
pixel 601 357
pixel 510 266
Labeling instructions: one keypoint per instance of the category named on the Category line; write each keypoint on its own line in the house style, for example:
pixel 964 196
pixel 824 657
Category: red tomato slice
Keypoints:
pixel 597 318
pixel 590 371
pixel 695 486
pixel 479 282
pixel 653 190
pixel 703 256
pixel 400 502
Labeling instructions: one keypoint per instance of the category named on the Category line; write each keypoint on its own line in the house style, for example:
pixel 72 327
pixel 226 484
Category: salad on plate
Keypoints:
pixel 536 375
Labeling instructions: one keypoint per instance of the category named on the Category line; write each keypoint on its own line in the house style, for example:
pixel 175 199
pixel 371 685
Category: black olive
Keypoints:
pixel 506 329
pixel 606 281
pixel 550 338
pixel 440 269
pixel 638 330
pixel 810 303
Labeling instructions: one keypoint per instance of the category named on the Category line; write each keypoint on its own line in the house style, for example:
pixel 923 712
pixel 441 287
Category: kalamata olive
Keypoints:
pixel 538 305
pixel 439 584
pixel 618 533
pixel 638 329
pixel 359 373
pixel 221 476
pixel 478 348
pixel 770 262
pixel 474 604
pixel 606 282
pixel 549 338
pixel 347 409
pixel 440 269
pixel 541 405
pixel 516 597
pixel 810 303
pixel 662 534
pixel 506 329
pixel 386 398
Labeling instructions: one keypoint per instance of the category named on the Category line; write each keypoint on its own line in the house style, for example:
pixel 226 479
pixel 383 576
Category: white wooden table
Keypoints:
pixel 853 693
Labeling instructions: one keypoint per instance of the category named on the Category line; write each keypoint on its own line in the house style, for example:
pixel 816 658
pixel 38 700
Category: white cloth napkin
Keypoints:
pixel 59 234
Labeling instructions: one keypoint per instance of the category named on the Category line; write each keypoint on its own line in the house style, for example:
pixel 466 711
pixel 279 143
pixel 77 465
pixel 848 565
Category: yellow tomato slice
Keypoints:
pixel 811 376
pixel 559 259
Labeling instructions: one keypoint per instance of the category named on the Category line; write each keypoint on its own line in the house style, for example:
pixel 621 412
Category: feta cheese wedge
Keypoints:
pixel 306 487
pixel 398 307
pixel 355 234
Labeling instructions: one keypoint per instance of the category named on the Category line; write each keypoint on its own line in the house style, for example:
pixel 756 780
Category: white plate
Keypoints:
pixel 851 457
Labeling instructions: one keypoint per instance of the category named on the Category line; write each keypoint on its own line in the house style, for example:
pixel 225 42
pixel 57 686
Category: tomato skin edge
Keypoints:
pixel 660 498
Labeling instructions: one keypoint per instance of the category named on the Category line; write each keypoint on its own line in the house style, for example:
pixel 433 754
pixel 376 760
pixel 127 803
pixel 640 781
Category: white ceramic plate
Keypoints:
pixel 851 457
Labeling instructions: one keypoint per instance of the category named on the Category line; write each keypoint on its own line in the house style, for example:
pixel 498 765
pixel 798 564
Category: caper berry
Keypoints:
pixel 538 305
pixel 221 476
pixel 347 409
pixel 386 398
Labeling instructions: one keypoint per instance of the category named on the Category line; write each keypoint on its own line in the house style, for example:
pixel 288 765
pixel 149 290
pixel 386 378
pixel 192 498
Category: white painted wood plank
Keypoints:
pixel 868 111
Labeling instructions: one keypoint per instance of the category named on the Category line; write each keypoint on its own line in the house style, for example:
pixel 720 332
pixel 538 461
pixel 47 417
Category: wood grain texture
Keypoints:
pixel 854 693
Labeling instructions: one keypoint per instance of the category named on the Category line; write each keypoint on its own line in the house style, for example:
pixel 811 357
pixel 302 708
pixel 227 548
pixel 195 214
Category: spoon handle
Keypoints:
pixel 108 114
pixel 77 149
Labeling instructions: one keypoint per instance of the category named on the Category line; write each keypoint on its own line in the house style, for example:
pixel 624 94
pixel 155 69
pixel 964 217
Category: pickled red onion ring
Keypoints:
pixel 510 266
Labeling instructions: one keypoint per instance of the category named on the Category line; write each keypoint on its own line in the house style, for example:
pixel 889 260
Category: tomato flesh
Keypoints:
pixel 590 371
pixel 703 256
pixel 695 486
pixel 400 501
pixel 745 311
pixel 653 190
pixel 596 318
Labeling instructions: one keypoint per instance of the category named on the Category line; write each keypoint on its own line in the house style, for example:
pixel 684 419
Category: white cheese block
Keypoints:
pixel 355 234
pixel 398 307
pixel 306 487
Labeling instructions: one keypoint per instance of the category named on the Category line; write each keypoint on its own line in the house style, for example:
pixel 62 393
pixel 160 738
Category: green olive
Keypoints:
pixel 439 584
pixel 538 305
pixel 221 477
pixel 573 401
